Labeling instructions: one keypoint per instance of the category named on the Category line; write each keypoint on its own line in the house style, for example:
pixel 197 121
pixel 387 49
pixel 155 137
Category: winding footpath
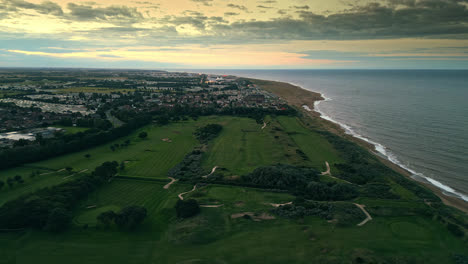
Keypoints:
pixel 264 125
pixel 368 216
pixel 212 171
pixel 278 205
pixel 181 195
pixel 327 172
pixel 169 184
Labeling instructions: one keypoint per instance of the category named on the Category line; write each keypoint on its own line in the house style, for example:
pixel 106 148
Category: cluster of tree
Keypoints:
pixel 345 213
pixel 302 181
pixel 330 191
pixel 189 168
pixel 11 181
pixel 208 132
pixel 361 167
pixel 187 208
pixel 50 208
pixel 128 218
pixel 379 190
pixel 282 176
pixel 68 143
pixel 115 146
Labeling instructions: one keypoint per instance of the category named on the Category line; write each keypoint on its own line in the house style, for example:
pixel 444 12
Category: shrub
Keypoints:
pixel 186 209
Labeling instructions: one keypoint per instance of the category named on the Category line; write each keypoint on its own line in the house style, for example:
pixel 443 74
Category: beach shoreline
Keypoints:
pixel 306 101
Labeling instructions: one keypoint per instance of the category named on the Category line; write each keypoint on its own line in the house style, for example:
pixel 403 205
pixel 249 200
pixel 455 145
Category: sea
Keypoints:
pixel 417 119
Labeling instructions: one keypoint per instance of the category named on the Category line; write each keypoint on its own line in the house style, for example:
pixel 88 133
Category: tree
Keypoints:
pixel 106 218
pixel 186 209
pixel 122 166
pixel 58 220
pixel 87 155
pixel 143 135
pixel 69 169
pixel 130 217
pixel 2 183
pixel 19 179
pixel 10 182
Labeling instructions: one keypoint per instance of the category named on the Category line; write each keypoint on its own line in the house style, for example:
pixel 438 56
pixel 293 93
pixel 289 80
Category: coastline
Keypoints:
pixel 306 101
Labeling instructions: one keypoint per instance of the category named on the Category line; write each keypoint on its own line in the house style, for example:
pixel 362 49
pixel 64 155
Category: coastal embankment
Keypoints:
pixel 306 100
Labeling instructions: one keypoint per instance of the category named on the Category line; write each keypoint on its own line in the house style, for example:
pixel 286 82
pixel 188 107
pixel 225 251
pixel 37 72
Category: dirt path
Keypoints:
pixel 212 205
pixel 182 194
pixel 169 184
pixel 264 125
pixel 47 173
pixel 212 171
pixel 75 174
pixel 278 205
pixel 368 216
pixel 327 172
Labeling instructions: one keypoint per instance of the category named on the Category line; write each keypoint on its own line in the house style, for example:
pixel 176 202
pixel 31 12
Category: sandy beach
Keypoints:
pixel 304 100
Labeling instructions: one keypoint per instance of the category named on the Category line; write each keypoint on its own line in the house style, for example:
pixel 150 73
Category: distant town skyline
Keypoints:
pixel 226 34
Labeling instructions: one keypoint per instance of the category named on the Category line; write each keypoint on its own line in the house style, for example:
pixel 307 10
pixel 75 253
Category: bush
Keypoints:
pixel 455 230
pixel 208 132
pixel 130 217
pixel 59 219
pixel 143 135
pixel 281 176
pixel 186 209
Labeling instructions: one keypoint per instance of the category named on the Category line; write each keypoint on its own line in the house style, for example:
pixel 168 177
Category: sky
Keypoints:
pixel 227 34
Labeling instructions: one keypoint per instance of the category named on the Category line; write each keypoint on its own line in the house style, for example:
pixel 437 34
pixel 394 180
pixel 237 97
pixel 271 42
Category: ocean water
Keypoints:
pixel 415 118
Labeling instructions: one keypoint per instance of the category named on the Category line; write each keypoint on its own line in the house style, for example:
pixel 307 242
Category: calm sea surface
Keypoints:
pixel 416 118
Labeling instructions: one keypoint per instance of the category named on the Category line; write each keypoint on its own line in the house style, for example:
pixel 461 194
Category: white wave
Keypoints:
pixel 382 150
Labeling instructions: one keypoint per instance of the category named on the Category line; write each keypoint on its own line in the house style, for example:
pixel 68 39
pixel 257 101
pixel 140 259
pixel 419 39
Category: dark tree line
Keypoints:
pixel 128 218
pixel 208 132
pixel 68 143
pixel 51 208
pixel 301 181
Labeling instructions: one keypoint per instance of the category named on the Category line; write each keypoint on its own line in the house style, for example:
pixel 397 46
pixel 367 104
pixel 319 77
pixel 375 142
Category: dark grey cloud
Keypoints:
pixel 240 7
pixel 110 13
pixel 46 7
pixel 204 2
pixel 231 14
pixel 300 7
pixel 264 7
pixel 424 18
pixel 282 11
pixel 193 18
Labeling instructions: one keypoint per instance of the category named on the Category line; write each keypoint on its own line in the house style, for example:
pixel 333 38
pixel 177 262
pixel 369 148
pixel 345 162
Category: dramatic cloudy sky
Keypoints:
pixel 235 34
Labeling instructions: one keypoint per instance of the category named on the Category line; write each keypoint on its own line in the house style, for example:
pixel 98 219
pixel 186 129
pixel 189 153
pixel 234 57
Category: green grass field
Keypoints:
pixel 396 234
pixel 150 157
pixel 214 237
pixel 243 145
